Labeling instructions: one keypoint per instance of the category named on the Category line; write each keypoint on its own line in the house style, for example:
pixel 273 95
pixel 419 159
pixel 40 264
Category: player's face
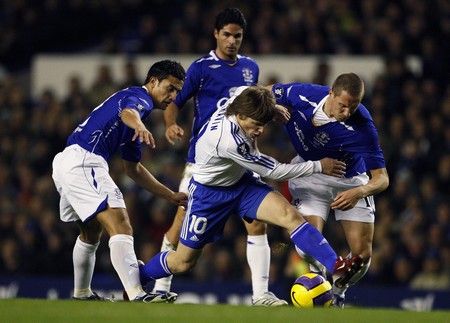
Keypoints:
pixel 342 106
pixel 164 92
pixel 229 40
pixel 252 128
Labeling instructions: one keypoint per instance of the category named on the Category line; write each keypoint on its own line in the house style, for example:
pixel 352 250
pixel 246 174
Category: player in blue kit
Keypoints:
pixel 223 183
pixel 332 122
pixel 90 197
pixel 211 80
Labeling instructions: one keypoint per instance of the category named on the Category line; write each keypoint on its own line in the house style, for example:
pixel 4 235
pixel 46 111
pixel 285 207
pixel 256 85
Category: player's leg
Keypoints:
pixel 84 258
pixel 258 258
pixel 85 247
pixel 116 223
pixel 206 215
pixel 171 238
pixel 359 236
pixel 358 226
pixel 167 263
pixel 312 201
pixel 170 243
pixel 275 209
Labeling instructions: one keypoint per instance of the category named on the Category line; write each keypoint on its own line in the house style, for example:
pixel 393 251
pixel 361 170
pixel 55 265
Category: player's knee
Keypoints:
pixel 291 218
pixel 256 228
pixel 364 250
pixel 90 233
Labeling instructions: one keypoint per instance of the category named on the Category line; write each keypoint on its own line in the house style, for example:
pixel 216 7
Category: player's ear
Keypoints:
pixel 153 82
pixel 216 33
pixel 241 117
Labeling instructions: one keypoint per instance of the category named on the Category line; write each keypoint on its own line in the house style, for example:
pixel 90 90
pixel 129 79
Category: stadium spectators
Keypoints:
pixel 411 113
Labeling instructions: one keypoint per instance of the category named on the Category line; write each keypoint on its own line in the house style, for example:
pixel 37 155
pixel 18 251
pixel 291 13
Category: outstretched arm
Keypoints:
pixel 346 200
pixel 145 179
pixel 132 119
pixel 268 167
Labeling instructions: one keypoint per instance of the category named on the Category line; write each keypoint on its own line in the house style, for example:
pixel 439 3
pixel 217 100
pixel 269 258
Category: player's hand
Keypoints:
pixel 282 115
pixel 174 133
pixel 179 198
pixel 347 200
pixel 333 167
pixel 145 136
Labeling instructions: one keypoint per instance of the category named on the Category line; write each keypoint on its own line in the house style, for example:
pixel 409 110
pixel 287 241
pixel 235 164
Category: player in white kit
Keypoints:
pixel 223 184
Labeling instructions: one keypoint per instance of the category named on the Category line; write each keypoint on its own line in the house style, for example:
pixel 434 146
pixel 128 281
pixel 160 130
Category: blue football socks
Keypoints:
pixel 308 239
pixel 155 268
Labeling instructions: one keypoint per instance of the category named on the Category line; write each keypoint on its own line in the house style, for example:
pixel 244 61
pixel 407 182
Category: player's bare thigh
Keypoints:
pixel 275 209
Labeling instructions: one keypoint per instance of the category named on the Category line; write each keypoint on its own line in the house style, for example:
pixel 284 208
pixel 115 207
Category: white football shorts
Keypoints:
pixel 312 195
pixel 84 184
pixel 187 175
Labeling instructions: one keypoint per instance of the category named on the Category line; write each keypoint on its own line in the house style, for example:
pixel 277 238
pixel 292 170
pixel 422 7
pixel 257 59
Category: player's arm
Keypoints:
pixel 173 131
pixel 269 167
pixel 142 177
pixel 132 119
pixel 346 200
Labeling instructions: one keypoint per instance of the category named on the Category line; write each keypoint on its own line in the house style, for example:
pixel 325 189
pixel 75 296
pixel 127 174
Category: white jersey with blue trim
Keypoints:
pixel 223 154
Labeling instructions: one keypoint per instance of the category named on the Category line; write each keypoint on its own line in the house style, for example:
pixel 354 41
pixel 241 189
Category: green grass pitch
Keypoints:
pixel 33 310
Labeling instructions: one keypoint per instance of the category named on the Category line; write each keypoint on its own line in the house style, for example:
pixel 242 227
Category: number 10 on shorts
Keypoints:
pixel 198 224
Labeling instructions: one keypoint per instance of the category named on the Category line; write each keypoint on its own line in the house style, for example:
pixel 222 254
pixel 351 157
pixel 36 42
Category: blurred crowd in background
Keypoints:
pixel 411 111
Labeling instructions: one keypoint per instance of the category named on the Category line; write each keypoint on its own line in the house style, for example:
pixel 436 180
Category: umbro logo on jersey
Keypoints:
pixel 214 66
pixel 194 238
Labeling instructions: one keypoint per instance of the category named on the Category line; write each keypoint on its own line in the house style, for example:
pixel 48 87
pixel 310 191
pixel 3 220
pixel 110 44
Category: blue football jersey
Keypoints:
pixel 354 141
pixel 212 81
pixel 103 132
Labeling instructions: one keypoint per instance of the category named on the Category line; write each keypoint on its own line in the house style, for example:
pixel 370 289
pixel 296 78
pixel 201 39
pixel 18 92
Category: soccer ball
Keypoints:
pixel 311 290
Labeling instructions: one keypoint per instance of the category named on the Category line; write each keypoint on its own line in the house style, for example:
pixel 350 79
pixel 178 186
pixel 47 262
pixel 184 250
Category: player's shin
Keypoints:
pixel 155 268
pixel 124 261
pixel 164 284
pixel 258 257
pixel 83 267
pixel 313 243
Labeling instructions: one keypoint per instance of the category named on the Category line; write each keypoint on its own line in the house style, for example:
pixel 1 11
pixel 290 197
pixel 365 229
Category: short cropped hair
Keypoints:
pixel 230 16
pixel 349 82
pixel 163 69
pixel 254 102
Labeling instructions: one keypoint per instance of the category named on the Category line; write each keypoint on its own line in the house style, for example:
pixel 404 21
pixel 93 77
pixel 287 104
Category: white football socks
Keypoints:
pixel 258 257
pixel 83 257
pixel 124 261
pixel 164 284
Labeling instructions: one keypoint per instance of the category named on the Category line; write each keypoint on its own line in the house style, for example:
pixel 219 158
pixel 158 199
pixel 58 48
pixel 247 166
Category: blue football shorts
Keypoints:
pixel 209 207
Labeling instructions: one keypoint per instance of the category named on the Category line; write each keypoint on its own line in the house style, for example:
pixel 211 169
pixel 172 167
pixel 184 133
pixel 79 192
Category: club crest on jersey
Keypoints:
pixel 278 92
pixel 321 138
pixel 248 75
pixel 243 149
